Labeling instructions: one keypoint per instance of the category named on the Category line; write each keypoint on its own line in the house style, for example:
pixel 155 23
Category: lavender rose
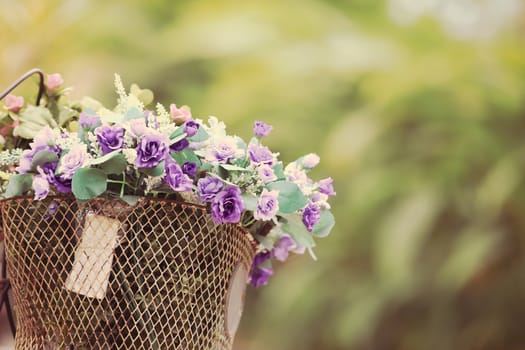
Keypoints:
pixel 311 216
pixel 267 205
pixel 266 173
pixel 281 250
pixel 88 121
pixel 208 188
pixel 191 127
pixel 48 170
pixel 177 180
pixel 151 149
pixel 41 187
pixel 326 186
pixel 261 129
pixel 260 154
pixel 77 157
pixel 110 138
pixel 227 206
pixel 190 169
pixel 179 145
pixel 259 275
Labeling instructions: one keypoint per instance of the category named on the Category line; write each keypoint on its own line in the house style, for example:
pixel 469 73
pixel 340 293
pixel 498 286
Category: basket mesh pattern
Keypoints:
pixel 163 284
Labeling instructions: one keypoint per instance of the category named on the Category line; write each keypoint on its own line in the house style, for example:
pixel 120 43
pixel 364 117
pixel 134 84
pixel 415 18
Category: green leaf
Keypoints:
pixel 43 157
pixel 290 197
pixel 133 113
pixel 105 157
pixel 129 199
pixel 156 171
pixel 186 155
pixel 18 185
pixel 230 167
pixel 200 136
pixel 250 202
pixel 88 183
pixel 176 135
pixel 325 224
pixel 296 229
pixel 278 171
pixel 114 165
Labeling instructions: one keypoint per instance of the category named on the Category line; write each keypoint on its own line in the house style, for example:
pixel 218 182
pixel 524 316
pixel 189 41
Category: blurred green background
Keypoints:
pixel 416 107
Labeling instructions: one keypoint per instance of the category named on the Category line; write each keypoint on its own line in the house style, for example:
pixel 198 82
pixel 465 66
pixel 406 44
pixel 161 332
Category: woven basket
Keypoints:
pixel 105 275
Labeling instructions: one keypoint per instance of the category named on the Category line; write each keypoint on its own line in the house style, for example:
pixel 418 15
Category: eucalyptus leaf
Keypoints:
pixel 295 228
pixel 231 167
pixel 88 183
pixel 155 171
pixel 250 202
pixel 290 197
pixel 18 185
pixel 129 199
pixel 105 157
pixel 186 155
pixel 200 136
pixel 43 157
pixel 278 171
pixel 325 224
pixel 133 113
pixel 177 134
pixel 114 165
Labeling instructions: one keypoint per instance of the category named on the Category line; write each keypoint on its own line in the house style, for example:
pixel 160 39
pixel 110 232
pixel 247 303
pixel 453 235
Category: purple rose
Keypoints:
pixel 177 180
pixel 209 187
pixel 261 129
pixel 179 145
pixel 44 140
pixel 227 206
pixel 311 216
pixel 48 170
pixel 282 248
pixel 326 186
pixel 88 121
pixel 191 127
pixel 266 173
pixel 259 275
pixel 190 169
pixel 41 187
pixel 260 154
pixel 110 138
pixel 152 148
pixel 267 205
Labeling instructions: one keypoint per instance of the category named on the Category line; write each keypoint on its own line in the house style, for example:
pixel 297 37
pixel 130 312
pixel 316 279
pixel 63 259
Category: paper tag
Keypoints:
pixel 94 257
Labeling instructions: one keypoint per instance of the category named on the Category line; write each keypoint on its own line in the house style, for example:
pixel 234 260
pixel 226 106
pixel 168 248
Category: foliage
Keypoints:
pixel 131 151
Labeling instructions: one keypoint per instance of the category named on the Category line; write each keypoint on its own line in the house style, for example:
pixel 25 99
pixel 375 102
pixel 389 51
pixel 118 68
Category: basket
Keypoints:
pixel 105 275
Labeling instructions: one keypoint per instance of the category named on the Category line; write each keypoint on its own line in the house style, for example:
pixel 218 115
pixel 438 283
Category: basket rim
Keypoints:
pixel 253 242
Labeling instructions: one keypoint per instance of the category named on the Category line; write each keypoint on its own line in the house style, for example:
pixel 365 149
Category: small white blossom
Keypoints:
pixel 130 154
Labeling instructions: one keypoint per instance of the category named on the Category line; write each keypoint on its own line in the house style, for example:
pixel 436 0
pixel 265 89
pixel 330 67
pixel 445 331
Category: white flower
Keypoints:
pixel 76 157
pixel 130 154
pixel 223 149
pixel 310 160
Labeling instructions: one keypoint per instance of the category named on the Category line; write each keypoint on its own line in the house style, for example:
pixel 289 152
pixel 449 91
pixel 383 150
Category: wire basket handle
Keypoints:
pixel 24 78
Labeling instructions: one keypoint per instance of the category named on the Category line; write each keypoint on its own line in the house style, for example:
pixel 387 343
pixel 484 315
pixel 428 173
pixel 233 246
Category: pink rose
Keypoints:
pixel 14 103
pixel 180 115
pixel 54 81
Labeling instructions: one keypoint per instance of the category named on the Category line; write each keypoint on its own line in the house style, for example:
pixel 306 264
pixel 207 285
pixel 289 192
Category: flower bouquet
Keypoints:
pixel 158 211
